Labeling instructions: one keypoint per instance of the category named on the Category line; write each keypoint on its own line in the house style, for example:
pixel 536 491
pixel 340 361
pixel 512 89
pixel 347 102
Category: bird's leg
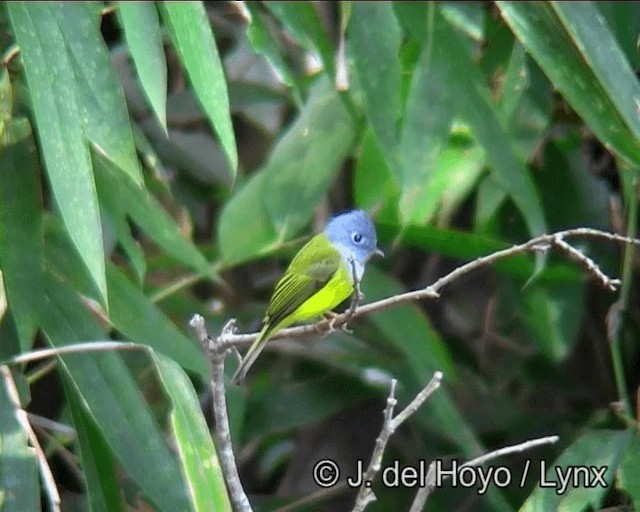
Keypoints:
pixel 357 296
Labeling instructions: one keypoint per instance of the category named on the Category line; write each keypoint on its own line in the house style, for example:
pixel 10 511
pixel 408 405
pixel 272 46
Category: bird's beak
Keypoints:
pixel 378 252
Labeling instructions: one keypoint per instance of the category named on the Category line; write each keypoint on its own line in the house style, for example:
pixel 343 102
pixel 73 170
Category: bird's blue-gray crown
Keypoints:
pixel 355 231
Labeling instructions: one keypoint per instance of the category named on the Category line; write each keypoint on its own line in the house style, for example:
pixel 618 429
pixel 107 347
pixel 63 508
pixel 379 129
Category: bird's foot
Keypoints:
pixel 331 319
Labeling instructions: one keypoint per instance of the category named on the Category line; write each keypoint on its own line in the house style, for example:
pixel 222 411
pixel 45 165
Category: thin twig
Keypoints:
pixel 588 263
pixel 430 482
pixel 389 426
pixel 222 430
pixel 542 242
pixel 76 348
pixel 21 416
pixel 70 459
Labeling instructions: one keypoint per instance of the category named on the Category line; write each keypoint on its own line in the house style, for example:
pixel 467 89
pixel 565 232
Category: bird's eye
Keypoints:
pixel 357 238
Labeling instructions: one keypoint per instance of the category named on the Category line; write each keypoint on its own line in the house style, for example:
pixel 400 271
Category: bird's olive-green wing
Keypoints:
pixel 310 270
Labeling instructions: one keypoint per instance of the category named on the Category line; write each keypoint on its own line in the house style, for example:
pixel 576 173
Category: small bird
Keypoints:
pixel 318 278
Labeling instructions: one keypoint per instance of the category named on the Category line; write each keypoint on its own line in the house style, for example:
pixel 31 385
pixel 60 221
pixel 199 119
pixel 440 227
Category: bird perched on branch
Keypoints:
pixel 325 272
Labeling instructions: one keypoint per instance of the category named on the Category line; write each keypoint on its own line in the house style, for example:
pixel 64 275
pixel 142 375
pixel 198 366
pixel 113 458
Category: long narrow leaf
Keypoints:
pixel 54 99
pixel 576 50
pixel 112 398
pixel 375 37
pixel 142 31
pixel 283 195
pixel 428 119
pixel 142 207
pixel 142 321
pixel 98 465
pixel 473 101
pixel 197 454
pixel 193 40
pixel 99 93
pixel 21 244
pixel 304 22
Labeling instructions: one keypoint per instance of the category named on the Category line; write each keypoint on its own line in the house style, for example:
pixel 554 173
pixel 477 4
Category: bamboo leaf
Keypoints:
pixel 21 234
pixel 574 47
pixel 142 31
pixel 193 39
pixel 60 127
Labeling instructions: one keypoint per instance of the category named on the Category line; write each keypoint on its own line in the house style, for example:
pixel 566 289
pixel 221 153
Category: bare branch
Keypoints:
pixel 537 244
pixel 389 426
pixel 588 263
pixel 423 493
pixel 76 348
pixel 221 429
pixel 516 448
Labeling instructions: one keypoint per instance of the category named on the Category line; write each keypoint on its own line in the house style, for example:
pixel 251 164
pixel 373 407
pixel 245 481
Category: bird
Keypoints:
pixel 324 272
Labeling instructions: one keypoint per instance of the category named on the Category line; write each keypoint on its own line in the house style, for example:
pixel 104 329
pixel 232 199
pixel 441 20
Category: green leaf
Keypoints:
pixel 58 116
pixel 620 17
pixel 525 106
pixel 264 43
pixel 133 314
pixel 21 235
pixel 110 395
pixel 193 39
pixel 193 441
pixel 114 219
pixel 142 31
pixel 98 466
pixel 489 198
pixel 146 212
pixel 374 186
pixel 428 119
pixel 414 18
pixel 473 101
pixel 279 200
pixel 99 92
pixel 596 448
pixel 61 258
pixel 452 178
pixel 6 97
pixel 553 316
pixel 19 484
pixel 629 472
pixel 468 17
pixel 374 39
pixel 588 195
pixel 304 23
pixel 576 50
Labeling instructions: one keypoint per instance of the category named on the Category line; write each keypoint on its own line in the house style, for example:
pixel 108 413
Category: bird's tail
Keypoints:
pixel 252 354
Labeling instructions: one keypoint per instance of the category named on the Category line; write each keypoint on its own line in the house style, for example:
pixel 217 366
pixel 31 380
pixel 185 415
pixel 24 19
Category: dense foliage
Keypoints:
pixel 150 171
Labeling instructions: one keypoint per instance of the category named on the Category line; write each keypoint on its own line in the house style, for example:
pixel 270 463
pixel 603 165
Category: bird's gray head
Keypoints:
pixel 354 231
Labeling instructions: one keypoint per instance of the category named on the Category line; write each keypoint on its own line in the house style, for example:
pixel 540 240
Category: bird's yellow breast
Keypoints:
pixel 328 297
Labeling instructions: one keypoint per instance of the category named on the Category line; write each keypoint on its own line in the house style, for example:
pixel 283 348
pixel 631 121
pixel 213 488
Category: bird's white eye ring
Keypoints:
pixel 357 238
